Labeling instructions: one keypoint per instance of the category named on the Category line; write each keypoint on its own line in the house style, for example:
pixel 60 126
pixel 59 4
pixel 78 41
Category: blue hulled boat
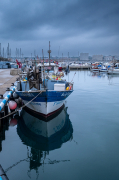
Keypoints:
pixel 42 94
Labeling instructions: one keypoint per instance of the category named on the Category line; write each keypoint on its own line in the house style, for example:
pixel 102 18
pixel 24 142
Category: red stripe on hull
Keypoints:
pixel 44 116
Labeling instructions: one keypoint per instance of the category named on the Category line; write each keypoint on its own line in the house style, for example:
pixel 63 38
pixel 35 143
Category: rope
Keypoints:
pixel 73 77
pixel 21 107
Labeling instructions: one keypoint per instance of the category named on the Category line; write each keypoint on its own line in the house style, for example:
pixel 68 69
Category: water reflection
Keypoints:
pixel 41 137
pixel 103 74
pixel 110 76
pixel 4 126
pixel 98 74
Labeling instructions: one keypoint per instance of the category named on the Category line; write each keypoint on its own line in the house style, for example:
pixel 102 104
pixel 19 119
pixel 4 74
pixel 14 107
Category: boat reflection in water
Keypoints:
pixel 98 74
pixel 44 135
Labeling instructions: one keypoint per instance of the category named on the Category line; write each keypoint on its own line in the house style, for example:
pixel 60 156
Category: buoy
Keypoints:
pixel 67 88
pixel 12 105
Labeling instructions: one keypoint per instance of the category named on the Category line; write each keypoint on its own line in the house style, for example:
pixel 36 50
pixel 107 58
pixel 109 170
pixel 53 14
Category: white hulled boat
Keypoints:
pixel 41 94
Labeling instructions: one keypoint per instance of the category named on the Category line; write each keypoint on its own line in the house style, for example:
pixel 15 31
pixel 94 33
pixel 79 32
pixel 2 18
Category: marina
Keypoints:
pixel 81 140
pixel 59 90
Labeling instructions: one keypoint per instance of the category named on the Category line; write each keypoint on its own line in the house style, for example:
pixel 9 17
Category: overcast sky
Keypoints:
pixel 74 26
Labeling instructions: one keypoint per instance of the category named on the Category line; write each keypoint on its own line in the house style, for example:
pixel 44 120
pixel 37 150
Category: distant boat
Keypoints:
pixel 113 71
pixel 95 69
pixel 103 69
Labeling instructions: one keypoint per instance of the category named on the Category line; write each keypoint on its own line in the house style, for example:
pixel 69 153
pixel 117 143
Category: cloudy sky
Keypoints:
pixel 72 26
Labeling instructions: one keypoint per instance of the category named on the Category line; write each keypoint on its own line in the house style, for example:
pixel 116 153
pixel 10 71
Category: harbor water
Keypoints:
pixel 81 142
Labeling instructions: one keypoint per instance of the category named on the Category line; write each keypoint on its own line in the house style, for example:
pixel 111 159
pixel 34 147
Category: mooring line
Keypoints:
pixel 20 107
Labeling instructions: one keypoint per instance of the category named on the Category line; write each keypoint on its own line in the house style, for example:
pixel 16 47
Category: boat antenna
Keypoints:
pixel 73 77
pixel 43 68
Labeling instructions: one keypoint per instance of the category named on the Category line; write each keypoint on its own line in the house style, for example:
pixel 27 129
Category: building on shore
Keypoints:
pixel 97 57
pixel 116 57
pixel 84 56
pixel 108 58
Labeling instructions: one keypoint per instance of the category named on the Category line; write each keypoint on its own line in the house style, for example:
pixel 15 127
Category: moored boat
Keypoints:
pixel 43 95
pixel 103 69
pixel 113 71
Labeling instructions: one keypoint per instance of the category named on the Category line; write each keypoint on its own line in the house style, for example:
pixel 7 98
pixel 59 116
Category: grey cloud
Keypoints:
pixel 59 20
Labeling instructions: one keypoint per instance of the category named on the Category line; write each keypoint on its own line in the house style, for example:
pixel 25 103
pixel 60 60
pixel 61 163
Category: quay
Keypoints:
pixel 6 79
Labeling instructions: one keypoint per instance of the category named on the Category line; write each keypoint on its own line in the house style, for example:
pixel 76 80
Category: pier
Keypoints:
pixel 6 80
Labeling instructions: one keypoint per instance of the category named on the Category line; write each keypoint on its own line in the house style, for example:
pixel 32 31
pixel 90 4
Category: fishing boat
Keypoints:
pixel 42 94
pixel 94 68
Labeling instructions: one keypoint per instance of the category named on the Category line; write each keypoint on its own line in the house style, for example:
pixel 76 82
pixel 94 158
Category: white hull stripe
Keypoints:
pixel 43 107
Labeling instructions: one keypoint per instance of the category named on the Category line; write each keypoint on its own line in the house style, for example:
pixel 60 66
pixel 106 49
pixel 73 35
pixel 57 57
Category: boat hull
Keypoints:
pixel 115 71
pixel 95 70
pixel 103 70
pixel 46 103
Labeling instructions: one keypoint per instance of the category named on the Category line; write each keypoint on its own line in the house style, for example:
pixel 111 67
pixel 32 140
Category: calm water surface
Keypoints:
pixel 84 137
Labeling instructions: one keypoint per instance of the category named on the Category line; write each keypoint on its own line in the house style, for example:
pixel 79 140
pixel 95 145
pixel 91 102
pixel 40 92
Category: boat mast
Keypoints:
pixel 43 69
pixel 49 51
